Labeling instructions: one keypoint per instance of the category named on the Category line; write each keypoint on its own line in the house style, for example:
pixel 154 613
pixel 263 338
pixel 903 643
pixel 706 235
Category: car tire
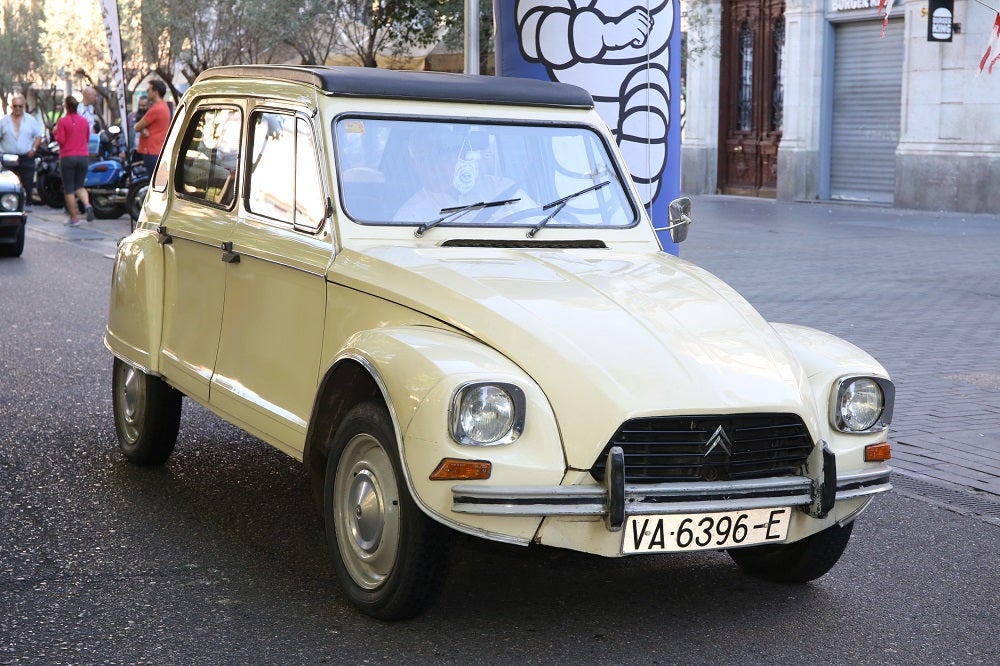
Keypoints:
pixel 798 562
pixel 16 248
pixel 147 415
pixel 389 556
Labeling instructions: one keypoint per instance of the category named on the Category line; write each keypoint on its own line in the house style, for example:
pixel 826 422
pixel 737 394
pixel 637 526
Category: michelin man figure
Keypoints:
pixel 617 50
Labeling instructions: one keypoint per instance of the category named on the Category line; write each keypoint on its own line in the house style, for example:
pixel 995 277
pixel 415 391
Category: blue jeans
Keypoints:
pixel 148 162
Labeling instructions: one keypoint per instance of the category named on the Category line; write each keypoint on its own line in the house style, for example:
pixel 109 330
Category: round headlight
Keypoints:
pixel 485 414
pixel 860 405
pixel 9 201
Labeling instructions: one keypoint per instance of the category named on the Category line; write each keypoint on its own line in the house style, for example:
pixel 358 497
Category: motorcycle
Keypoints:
pixel 111 179
pixel 48 179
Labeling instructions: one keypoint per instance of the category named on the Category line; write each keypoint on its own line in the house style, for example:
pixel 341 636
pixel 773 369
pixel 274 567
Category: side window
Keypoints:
pixel 209 156
pixel 163 167
pixel 310 200
pixel 284 179
pixel 271 185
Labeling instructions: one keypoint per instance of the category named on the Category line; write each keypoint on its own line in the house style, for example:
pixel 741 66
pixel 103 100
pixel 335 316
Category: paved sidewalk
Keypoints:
pixel 920 291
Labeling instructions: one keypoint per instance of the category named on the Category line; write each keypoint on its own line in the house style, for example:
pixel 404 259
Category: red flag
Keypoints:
pixel 992 54
pixel 884 7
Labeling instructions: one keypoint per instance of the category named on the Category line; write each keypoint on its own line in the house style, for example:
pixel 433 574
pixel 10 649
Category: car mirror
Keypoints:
pixel 678 218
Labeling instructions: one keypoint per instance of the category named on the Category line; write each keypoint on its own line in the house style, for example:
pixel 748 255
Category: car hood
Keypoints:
pixel 607 335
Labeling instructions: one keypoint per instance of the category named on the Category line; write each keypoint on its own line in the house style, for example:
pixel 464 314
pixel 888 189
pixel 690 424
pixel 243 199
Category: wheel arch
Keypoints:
pixel 413 370
pixel 135 310
pixel 351 380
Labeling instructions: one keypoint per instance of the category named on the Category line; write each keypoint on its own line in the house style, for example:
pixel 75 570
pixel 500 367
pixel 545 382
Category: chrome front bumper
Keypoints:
pixel 615 499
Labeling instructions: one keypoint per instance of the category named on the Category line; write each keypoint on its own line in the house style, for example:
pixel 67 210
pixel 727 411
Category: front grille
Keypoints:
pixel 709 448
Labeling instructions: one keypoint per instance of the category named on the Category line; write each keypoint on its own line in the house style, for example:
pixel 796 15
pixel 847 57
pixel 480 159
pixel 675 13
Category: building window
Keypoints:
pixel 746 78
pixel 778 90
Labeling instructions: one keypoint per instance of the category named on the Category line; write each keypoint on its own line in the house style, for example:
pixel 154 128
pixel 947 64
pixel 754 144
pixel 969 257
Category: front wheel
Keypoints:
pixel 16 248
pixel 147 414
pixel 798 562
pixel 390 557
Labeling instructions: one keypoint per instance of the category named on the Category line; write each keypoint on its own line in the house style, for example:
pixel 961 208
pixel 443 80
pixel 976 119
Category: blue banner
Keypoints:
pixel 626 53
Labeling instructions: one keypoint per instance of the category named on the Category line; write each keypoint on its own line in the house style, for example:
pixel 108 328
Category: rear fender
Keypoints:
pixel 135 314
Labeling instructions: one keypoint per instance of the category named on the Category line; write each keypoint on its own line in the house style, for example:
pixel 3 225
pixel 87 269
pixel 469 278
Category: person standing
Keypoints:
pixel 73 134
pixel 142 106
pixel 152 127
pixel 20 134
pixel 86 108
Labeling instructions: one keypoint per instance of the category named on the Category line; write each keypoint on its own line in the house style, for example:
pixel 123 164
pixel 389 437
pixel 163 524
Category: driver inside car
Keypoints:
pixel 454 181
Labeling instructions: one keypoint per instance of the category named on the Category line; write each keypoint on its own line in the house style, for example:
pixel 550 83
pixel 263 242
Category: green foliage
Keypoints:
pixel 20 49
pixel 164 37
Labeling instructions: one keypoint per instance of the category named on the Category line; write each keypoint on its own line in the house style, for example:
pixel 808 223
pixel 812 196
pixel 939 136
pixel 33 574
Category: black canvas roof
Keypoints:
pixel 394 84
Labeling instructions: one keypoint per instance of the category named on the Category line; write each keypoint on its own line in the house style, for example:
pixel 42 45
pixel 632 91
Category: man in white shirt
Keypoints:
pixel 20 134
pixel 86 108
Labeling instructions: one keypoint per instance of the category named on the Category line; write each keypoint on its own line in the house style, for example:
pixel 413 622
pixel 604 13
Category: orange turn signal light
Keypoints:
pixel 455 469
pixel 877 452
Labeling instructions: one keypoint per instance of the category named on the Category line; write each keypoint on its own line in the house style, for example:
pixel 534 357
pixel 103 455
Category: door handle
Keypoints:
pixel 228 255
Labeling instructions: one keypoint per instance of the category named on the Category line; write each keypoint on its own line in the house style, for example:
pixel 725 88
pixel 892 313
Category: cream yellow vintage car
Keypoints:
pixel 442 294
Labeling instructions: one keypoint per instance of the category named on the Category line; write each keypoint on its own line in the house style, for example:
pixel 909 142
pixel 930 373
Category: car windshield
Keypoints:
pixel 431 174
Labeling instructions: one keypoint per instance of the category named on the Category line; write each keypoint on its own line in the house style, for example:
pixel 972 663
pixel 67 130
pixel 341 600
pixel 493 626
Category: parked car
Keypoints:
pixel 442 294
pixel 12 216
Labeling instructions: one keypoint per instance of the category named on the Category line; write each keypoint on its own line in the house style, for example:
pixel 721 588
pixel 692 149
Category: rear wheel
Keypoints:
pixel 50 191
pixel 798 562
pixel 390 557
pixel 147 415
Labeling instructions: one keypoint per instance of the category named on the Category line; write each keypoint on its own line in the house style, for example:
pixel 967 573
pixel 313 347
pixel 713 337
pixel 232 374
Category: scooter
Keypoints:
pixel 110 178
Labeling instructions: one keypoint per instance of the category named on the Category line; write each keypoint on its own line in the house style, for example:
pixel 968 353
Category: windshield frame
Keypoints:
pixel 631 207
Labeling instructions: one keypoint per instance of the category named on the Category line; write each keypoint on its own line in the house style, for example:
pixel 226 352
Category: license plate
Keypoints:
pixel 705 531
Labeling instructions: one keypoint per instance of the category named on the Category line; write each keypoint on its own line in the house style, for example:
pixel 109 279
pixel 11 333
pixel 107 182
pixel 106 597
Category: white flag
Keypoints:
pixel 112 28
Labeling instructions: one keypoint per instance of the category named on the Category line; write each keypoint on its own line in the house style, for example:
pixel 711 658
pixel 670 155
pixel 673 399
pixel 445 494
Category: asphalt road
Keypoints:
pixel 219 557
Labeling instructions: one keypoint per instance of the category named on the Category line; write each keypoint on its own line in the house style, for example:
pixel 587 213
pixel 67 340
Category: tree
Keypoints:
pixel 20 48
pixel 373 27
pixel 455 39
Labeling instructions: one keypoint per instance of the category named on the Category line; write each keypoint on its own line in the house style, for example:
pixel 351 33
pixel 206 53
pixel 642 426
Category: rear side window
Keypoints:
pixel 284 181
pixel 209 156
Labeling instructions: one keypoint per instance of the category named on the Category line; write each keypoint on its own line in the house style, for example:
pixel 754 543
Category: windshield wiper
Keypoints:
pixel 559 204
pixel 455 212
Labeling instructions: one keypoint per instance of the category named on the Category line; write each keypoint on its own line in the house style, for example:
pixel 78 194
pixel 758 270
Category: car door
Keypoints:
pixel 199 219
pixel 267 369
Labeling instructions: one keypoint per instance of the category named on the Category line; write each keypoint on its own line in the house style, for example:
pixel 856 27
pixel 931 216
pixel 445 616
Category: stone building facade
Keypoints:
pixel 857 116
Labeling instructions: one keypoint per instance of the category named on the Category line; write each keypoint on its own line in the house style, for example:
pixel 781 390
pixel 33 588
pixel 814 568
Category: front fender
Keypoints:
pixel 418 369
pixel 825 358
pixel 135 315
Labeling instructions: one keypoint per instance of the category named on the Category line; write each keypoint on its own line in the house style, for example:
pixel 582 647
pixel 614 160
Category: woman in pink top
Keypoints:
pixel 73 134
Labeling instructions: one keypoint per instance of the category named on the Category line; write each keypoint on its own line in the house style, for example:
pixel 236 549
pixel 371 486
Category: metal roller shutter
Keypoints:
pixel 867 92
